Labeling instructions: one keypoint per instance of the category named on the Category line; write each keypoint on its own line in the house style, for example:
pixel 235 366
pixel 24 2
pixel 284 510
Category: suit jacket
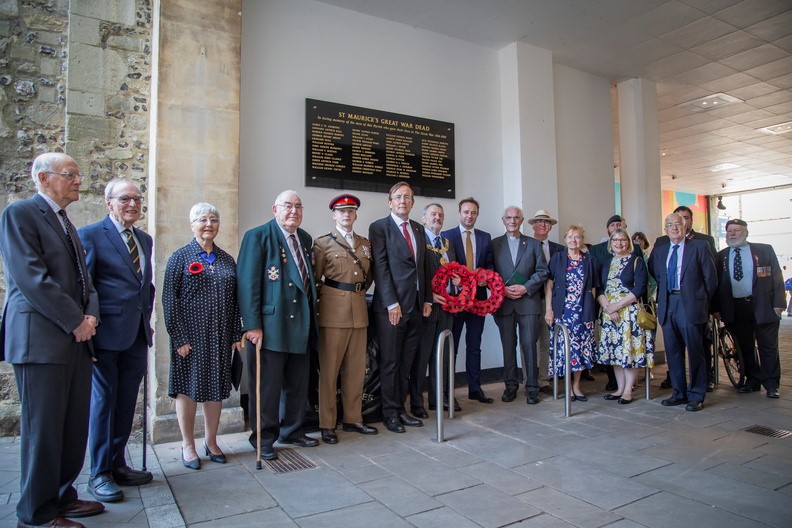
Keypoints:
pixel 341 308
pixel 691 235
pixel 43 295
pixel 434 265
pixel 530 264
pixel 271 292
pixel 484 256
pixel 557 273
pixel 125 302
pixel 697 283
pixel 396 271
pixel 768 285
pixel 634 276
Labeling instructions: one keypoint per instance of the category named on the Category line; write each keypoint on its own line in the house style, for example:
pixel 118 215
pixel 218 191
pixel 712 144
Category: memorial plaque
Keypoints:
pixel 348 147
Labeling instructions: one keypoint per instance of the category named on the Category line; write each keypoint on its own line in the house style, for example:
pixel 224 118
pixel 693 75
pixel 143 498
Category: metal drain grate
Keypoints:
pixel 767 431
pixel 289 461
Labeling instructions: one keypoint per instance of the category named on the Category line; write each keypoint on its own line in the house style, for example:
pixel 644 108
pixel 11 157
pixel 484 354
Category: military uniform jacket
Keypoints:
pixel 340 308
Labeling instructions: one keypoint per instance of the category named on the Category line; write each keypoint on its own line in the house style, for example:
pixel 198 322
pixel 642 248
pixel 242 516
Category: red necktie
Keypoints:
pixel 408 239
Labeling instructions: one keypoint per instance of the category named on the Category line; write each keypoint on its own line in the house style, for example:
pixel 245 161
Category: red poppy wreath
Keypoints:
pixel 466 298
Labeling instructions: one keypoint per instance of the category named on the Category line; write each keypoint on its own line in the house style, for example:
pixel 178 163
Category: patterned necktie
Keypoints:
pixel 70 235
pixel 738 269
pixel 671 275
pixel 407 238
pixel 300 264
pixel 133 252
pixel 437 243
pixel 469 252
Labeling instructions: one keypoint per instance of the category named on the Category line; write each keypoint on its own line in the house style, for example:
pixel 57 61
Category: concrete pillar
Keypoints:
pixel 194 157
pixel 639 148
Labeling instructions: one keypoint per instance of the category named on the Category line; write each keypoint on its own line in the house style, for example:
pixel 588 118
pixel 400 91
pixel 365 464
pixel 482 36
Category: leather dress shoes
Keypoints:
pixel 57 521
pixel 457 408
pixel 104 488
pixel 611 397
pixel 301 441
pixel 582 398
pixel 672 402
pixel 393 424
pixel 533 399
pixel 509 395
pixel 409 421
pixel 126 476
pixel 624 401
pixel 547 389
pixel 419 412
pixel 666 383
pixel 773 393
pixel 710 386
pixel 267 452
pixel 359 428
pixel 189 464
pixel 82 508
pixel 746 388
pixel 329 436
pixel 694 406
pixel 480 396
pixel 220 459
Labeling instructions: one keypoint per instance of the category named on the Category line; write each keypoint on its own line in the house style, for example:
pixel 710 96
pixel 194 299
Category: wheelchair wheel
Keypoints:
pixel 732 357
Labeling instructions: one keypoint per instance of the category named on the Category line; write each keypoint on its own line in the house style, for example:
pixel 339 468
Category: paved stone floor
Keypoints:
pixel 502 465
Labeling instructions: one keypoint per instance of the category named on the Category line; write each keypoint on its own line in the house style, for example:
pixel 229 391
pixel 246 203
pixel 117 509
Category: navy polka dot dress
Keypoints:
pixel 200 307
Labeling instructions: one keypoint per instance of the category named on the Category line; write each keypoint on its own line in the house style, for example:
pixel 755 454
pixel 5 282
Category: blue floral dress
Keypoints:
pixel 624 344
pixel 581 334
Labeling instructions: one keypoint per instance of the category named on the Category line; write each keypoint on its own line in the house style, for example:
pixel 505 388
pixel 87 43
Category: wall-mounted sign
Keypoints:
pixel 348 147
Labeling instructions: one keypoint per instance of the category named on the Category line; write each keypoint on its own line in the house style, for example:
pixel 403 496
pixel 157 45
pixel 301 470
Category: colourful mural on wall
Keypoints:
pixel 696 202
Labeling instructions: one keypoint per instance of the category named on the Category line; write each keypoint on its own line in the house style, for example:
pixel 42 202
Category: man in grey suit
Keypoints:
pixel 49 317
pixel 520 261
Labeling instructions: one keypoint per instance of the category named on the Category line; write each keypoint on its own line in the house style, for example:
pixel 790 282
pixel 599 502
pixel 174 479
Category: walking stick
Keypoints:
pixel 258 404
pixel 145 407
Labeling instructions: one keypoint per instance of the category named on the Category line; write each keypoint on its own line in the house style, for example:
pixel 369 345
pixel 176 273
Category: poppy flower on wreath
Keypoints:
pixel 464 299
pixel 497 289
pixel 195 268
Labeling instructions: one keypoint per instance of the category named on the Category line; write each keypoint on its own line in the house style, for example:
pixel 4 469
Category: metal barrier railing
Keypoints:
pixel 444 336
pixel 560 328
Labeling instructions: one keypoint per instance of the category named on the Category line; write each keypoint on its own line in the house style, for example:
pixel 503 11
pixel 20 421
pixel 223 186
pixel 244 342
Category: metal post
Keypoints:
pixel 648 378
pixel 560 328
pixel 145 406
pixel 714 349
pixel 440 352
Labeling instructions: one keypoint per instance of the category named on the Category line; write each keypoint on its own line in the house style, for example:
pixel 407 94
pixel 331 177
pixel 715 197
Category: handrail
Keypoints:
pixel 441 339
pixel 561 328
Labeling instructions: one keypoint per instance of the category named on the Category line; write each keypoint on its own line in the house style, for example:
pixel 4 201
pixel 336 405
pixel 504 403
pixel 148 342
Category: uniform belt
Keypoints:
pixel 744 299
pixel 346 286
pixel 675 292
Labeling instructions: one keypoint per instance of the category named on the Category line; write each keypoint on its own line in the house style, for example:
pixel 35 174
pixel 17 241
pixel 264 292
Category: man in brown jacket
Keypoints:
pixel 343 263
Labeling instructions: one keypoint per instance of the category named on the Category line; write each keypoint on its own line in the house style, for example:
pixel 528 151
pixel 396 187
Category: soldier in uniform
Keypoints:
pixel 342 270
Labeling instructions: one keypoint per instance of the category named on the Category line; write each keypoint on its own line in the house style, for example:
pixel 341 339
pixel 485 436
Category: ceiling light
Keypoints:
pixel 723 166
pixel 720 204
pixel 717 100
pixel 781 128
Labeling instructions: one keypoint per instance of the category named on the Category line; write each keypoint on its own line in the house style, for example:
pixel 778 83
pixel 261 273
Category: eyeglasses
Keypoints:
pixel 291 207
pixel 204 221
pixel 70 176
pixel 402 198
pixel 124 199
pixel 674 224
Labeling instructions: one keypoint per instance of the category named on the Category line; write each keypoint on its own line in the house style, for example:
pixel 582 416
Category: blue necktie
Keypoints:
pixel 671 275
pixel 437 243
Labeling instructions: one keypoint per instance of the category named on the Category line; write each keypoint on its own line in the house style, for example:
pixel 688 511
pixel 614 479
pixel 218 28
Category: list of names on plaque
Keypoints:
pixel 325 149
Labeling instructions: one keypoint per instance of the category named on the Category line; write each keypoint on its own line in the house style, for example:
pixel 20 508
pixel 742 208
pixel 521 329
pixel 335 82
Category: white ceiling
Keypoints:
pixel 690 48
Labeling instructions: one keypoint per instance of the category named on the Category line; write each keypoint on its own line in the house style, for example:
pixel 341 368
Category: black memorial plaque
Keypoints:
pixel 348 147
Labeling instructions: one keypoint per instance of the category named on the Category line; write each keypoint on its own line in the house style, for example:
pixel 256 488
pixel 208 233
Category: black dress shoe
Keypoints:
pixel 672 402
pixel 666 383
pixel 773 393
pixel 329 436
pixel 267 452
pixel 626 402
pixel 533 399
pixel 220 459
pixel 611 397
pixel 82 508
pixel 547 389
pixel 583 398
pixel 301 441
pixel 393 424
pixel 359 428
pixel 509 395
pixel 104 489
pixel 480 396
pixel 409 421
pixel 746 388
pixel 710 386
pixel 419 412
pixel 57 521
pixel 610 387
pixel 694 406
pixel 126 476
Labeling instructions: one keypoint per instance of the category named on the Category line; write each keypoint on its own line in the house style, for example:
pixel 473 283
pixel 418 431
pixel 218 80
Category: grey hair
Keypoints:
pixel 43 163
pixel 112 184
pixel 519 210
pixel 279 199
pixel 433 204
pixel 202 208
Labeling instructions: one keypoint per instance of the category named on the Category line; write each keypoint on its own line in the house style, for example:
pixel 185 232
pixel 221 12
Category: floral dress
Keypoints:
pixel 581 334
pixel 624 344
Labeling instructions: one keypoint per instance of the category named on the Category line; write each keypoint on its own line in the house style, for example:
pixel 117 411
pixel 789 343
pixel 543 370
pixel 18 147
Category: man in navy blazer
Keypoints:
pixel 686 281
pixel 473 248
pixel 750 301
pixel 402 297
pixel 521 263
pixel 50 314
pixel 119 261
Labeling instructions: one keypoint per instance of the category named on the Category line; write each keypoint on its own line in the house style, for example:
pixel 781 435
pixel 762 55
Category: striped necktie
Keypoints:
pixel 133 252
pixel 71 234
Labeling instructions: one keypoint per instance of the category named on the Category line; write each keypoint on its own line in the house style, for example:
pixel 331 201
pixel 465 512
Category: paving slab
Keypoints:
pixel 488 506
pixel 272 518
pixel 569 508
pixel 359 516
pixel 399 496
pixel 427 474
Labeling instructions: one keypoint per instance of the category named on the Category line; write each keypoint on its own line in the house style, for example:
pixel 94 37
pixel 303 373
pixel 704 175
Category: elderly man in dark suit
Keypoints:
pixel 474 250
pixel 402 296
pixel 119 261
pixel 521 263
pixel 277 300
pixel 750 300
pixel 686 280
pixel 49 317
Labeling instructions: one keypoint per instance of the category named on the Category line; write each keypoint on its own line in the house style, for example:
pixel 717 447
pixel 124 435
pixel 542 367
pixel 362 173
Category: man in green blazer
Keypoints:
pixel 277 299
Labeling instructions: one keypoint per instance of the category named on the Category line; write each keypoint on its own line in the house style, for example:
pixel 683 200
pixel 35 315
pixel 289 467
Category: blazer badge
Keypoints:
pixel 273 273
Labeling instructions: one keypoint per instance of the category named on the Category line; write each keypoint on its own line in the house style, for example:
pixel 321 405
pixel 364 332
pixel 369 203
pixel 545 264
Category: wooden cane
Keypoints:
pixel 145 414
pixel 258 404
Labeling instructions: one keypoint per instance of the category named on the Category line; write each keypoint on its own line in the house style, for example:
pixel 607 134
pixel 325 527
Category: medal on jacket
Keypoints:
pixel 273 273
